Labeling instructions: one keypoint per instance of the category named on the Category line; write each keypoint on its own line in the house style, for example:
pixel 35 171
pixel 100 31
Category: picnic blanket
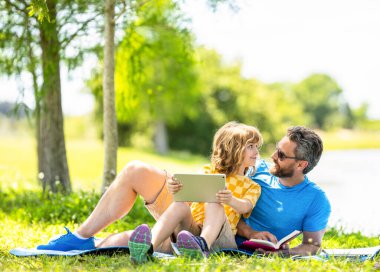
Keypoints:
pixel 357 254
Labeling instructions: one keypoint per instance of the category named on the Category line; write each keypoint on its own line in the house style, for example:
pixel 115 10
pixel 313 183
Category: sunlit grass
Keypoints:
pixel 27 219
pixel 351 139
pixel 85 158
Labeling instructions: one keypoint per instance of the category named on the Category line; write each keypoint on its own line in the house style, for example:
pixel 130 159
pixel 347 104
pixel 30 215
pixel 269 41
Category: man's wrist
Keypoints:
pixel 284 253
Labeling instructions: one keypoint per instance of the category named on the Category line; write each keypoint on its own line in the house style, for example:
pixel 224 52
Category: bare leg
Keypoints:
pixel 136 178
pixel 117 239
pixel 214 220
pixel 176 218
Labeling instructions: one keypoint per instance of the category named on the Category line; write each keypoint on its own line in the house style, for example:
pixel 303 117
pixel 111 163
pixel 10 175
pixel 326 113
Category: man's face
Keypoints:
pixel 284 162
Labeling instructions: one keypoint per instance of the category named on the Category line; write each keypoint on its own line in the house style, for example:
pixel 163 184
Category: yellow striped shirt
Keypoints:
pixel 241 187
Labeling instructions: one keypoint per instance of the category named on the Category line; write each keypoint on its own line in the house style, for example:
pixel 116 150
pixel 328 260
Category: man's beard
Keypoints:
pixel 279 172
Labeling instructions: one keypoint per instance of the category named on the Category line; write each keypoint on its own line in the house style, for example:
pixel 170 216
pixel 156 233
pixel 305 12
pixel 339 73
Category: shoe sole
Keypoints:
pixel 139 244
pixel 188 247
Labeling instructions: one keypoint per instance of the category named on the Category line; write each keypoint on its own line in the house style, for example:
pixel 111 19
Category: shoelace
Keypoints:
pixel 202 243
pixel 60 236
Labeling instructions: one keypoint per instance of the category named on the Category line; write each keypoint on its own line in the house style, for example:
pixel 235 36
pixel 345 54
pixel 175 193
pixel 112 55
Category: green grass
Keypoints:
pixel 351 139
pixel 85 158
pixel 27 219
pixel 25 226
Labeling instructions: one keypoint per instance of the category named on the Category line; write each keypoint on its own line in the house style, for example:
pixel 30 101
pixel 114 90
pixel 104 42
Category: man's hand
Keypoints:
pixel 311 244
pixel 283 252
pixel 264 235
pixel 174 186
pixel 224 196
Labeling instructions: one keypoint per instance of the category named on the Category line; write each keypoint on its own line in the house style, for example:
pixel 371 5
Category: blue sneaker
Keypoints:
pixel 67 242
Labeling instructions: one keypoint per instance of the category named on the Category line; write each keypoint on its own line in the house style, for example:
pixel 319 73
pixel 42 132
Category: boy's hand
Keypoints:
pixel 224 196
pixel 174 186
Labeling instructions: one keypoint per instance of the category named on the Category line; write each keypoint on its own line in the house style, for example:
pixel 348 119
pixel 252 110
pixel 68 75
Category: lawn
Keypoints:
pixel 27 219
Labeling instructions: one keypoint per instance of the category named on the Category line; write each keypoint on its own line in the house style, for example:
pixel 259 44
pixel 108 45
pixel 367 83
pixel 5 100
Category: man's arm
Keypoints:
pixel 311 244
pixel 244 230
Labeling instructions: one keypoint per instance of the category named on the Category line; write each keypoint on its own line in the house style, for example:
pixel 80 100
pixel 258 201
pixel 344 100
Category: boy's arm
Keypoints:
pixel 239 205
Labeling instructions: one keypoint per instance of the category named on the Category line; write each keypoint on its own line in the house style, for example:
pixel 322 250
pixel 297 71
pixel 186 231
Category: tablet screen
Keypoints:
pixel 199 187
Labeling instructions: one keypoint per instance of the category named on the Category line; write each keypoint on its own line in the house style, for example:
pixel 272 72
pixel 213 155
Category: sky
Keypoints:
pixel 279 40
pixel 276 40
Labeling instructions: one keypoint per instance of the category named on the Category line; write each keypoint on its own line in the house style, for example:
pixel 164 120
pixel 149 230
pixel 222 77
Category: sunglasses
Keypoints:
pixel 281 156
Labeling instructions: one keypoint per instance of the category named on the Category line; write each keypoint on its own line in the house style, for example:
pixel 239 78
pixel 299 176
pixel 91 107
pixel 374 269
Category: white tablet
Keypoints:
pixel 199 187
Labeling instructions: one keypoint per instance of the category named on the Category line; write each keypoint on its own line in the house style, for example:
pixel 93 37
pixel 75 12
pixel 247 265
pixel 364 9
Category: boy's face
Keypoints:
pixel 251 153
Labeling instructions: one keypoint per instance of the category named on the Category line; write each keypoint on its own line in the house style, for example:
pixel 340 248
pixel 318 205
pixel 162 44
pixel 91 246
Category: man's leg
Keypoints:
pixel 136 178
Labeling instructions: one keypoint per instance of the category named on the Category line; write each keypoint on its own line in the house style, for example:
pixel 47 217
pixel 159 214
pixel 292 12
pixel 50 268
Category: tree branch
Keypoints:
pixel 124 9
pixel 65 42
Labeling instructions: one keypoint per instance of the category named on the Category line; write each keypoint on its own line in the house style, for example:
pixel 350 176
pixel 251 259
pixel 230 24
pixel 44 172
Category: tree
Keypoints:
pixel 155 75
pixel 110 123
pixel 38 47
pixel 321 97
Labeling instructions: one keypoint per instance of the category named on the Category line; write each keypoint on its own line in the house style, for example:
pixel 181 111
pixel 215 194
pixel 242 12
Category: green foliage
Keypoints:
pixel 59 209
pixel 226 96
pixel 154 73
pixel 321 98
pixel 39 8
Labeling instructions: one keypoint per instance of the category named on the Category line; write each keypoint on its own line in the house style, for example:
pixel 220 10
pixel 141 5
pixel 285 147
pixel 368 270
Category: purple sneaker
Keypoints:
pixel 192 246
pixel 140 244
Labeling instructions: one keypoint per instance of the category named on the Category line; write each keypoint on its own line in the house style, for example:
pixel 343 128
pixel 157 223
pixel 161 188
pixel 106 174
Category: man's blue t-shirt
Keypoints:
pixel 281 209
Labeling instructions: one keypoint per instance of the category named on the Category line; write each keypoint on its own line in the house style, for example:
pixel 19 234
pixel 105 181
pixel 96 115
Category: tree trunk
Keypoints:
pixel 161 138
pixel 109 115
pixel 54 169
pixel 32 68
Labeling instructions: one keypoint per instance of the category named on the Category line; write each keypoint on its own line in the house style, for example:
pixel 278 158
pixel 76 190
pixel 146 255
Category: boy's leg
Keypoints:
pixel 225 239
pixel 214 219
pixel 193 246
pixel 142 240
pixel 136 178
pixel 176 218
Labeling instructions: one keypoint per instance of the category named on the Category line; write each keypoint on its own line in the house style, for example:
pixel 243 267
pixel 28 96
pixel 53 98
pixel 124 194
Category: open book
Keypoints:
pixel 267 245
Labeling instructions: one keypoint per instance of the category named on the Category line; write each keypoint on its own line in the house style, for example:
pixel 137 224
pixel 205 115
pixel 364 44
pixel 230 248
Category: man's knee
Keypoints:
pixel 135 168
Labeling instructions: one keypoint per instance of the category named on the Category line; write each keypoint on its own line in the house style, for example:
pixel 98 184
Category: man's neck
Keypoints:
pixel 292 181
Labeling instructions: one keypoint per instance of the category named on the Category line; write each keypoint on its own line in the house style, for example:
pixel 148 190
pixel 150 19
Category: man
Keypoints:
pixel 289 201
pixel 296 154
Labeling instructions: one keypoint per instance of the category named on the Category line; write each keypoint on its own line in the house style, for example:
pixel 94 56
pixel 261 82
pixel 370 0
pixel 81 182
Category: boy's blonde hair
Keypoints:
pixel 229 144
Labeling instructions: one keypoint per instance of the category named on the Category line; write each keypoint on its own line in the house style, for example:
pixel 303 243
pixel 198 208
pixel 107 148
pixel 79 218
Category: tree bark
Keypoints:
pixel 161 138
pixel 109 115
pixel 32 69
pixel 54 169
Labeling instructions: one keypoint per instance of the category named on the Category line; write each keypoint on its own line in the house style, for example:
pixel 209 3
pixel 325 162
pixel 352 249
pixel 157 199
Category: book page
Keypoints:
pixel 287 238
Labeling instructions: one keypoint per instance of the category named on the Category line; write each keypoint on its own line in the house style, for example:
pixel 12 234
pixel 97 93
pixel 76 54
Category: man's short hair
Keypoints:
pixel 309 145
